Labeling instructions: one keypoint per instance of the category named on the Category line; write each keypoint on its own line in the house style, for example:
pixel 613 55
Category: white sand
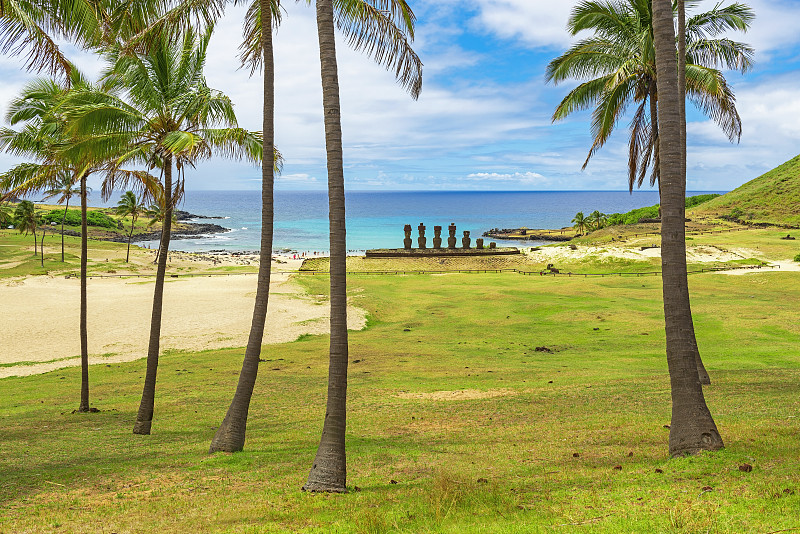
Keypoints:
pixel 41 317
pixel 696 254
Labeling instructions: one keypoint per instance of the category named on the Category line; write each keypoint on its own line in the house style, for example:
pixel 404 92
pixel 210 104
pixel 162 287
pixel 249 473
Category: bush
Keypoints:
pixel 699 199
pixel 651 212
pixel 93 218
pixel 797 258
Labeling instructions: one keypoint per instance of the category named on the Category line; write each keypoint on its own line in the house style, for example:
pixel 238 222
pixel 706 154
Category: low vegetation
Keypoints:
pixel 651 212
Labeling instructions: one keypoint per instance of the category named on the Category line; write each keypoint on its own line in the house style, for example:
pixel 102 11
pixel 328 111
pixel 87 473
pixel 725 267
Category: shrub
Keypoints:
pixel 699 199
pixel 651 212
pixel 73 218
pixel 797 258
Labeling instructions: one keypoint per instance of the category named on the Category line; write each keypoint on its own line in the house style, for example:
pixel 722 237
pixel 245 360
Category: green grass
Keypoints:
pixel 503 461
pixel 773 197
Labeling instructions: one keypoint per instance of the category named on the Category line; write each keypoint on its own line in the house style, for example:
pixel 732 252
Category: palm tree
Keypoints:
pixel 692 428
pixel 42 108
pixel 618 64
pixel 26 219
pixel 369 28
pixel 130 205
pixel 581 222
pixel 705 379
pixel 596 219
pixel 170 120
pixel 230 435
pixel 64 190
pixel 383 28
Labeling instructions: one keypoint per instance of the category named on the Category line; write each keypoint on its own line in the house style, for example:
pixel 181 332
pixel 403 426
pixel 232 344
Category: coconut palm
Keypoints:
pixel 26 219
pixel 580 222
pixel 64 191
pixel 169 120
pixel 618 65
pixel 692 428
pixel 41 109
pixel 258 54
pixel 383 29
pixel 130 205
pixel 369 26
pixel 596 219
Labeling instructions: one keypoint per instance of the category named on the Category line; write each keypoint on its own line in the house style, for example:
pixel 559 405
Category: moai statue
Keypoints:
pixel 492 244
pixel 479 243
pixel 421 240
pixel 407 240
pixel 465 240
pixel 451 241
pixel 437 237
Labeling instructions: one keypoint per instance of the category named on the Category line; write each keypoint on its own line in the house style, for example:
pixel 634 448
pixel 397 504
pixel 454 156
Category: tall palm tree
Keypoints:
pixel 705 379
pixel 618 65
pixel 65 189
pixel 368 27
pixel 169 120
pixel 41 109
pixel 230 435
pixel 692 428
pixel 130 205
pixel 384 29
pixel 26 219
pixel 581 222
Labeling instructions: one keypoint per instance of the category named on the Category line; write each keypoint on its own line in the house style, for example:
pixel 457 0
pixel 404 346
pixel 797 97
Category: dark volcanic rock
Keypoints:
pixel 185 216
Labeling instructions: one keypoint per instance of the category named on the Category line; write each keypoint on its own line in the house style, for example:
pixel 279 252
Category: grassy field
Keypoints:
pixel 478 403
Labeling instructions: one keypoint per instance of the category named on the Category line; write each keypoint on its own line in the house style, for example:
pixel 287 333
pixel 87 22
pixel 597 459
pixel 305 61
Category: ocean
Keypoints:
pixel 376 219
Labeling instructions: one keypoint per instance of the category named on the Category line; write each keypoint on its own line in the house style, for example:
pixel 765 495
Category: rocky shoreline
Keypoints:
pixel 183 230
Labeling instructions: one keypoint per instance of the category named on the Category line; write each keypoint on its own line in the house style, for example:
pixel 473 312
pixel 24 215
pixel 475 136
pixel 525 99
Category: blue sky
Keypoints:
pixel 483 119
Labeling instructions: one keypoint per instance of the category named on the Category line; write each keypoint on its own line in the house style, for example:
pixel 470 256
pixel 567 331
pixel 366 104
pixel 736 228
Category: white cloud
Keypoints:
pixel 534 22
pixel 518 177
pixel 771 134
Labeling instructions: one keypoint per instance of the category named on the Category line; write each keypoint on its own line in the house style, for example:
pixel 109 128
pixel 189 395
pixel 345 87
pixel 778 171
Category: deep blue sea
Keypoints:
pixel 376 219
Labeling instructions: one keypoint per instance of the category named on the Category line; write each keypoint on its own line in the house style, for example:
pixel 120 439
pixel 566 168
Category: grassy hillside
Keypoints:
pixel 773 197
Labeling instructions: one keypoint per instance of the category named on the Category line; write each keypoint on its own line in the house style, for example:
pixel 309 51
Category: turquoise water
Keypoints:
pixel 376 219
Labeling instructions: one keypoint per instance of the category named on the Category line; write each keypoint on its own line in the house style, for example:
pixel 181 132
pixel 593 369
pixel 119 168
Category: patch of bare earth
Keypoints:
pixel 459 394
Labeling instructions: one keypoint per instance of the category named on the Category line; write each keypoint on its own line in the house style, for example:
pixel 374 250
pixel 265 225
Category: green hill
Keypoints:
pixel 773 197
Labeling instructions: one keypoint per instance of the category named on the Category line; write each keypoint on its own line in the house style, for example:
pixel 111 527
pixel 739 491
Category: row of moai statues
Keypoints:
pixel 422 241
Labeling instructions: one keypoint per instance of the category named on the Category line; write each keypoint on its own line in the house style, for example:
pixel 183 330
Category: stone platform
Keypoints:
pixel 439 253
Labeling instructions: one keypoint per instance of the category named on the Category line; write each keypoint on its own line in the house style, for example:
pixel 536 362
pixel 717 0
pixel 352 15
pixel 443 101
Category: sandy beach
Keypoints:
pixel 41 316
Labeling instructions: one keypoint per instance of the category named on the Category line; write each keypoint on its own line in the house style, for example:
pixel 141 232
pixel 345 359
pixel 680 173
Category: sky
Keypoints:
pixel 483 120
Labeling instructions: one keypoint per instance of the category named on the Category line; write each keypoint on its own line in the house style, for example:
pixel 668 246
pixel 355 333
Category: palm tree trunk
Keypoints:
pixel 329 471
pixel 41 246
pixel 692 428
pixel 230 435
pixel 84 406
pixel 64 218
pixel 701 369
pixel 130 236
pixel 35 241
pixel 144 418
